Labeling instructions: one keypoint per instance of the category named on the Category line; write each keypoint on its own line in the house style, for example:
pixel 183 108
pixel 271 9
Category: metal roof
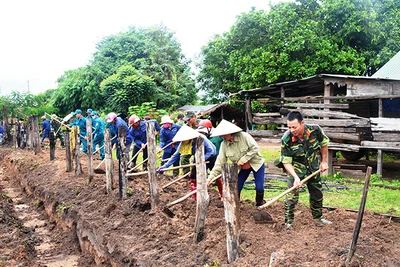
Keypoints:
pixel 391 69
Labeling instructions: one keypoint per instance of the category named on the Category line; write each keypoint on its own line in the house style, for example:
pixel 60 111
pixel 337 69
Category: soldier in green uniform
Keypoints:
pixel 55 127
pixel 299 147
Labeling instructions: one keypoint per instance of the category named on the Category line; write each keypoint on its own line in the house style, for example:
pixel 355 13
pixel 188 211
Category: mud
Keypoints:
pixel 96 229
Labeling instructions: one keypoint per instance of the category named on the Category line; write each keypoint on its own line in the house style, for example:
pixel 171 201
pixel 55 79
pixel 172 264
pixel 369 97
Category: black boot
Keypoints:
pixel 260 199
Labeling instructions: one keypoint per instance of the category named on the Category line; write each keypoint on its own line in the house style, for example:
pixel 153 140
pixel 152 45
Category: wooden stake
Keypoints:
pixel 231 210
pixel 203 200
pixel 153 183
pixel 122 162
pixel 89 149
pixel 360 216
pixel 108 161
pixel 77 152
pixel 52 145
pixel 68 154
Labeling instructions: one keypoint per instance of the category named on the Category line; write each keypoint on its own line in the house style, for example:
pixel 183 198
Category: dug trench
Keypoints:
pixel 80 225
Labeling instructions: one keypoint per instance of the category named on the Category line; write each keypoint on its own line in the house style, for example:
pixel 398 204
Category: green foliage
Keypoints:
pixel 299 39
pixel 129 68
pixel 147 109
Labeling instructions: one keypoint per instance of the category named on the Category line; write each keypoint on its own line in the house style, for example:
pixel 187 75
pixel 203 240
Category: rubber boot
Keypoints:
pixel 260 199
pixel 193 186
pixel 220 187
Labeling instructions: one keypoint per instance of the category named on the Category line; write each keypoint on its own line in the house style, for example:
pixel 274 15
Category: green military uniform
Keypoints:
pixel 58 133
pixel 302 154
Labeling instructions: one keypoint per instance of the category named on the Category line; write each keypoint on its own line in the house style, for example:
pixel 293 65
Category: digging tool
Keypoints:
pixel 97 170
pixel 144 161
pixel 287 191
pixel 103 145
pixel 209 182
pixel 176 180
pixel 137 153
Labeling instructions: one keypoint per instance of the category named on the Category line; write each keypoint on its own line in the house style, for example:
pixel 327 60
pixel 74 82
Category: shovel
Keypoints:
pixel 97 170
pixel 287 191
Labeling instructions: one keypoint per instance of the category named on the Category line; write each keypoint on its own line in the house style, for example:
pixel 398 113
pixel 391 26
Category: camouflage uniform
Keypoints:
pixel 302 154
pixel 58 133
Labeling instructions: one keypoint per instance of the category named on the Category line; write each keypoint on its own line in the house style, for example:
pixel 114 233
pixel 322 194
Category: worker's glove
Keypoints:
pixel 160 170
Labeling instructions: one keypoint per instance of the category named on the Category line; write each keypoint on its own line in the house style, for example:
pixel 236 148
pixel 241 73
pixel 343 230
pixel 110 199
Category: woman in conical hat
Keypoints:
pixel 241 148
pixel 187 134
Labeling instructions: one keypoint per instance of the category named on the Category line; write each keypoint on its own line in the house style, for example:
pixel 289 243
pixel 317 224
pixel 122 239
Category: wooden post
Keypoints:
pixel 15 139
pixel 330 161
pixel 282 102
pixel 151 166
pixel 77 152
pixel 35 134
pixel 360 216
pixel 231 210
pixel 6 136
pixel 203 199
pixel 108 162
pixel 68 154
pixel 248 117
pixel 89 149
pixel 122 161
pixel 379 160
pixel 52 145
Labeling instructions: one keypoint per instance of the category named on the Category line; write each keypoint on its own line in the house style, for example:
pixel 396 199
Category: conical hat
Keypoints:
pixel 225 127
pixel 185 133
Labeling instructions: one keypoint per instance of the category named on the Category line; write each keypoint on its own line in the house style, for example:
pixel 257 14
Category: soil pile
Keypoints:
pixel 130 233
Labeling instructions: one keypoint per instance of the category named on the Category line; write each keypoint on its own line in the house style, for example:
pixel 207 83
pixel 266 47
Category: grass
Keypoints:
pixel 379 199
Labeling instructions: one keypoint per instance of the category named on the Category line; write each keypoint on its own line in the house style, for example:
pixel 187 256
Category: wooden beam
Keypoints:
pixel 322 123
pixel 310 105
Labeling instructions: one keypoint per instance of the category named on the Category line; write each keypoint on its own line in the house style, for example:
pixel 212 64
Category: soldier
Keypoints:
pixel 299 158
pixel 55 126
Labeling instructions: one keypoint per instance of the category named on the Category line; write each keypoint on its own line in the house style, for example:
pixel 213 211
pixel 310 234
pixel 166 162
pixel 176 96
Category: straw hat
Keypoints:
pixel 185 133
pixel 225 127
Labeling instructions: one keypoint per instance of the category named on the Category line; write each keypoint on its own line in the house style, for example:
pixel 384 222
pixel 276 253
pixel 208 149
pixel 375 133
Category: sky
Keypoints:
pixel 41 39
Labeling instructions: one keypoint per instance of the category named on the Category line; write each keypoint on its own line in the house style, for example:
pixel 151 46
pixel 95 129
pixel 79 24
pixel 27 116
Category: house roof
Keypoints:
pixel 308 86
pixel 391 69
pixel 228 112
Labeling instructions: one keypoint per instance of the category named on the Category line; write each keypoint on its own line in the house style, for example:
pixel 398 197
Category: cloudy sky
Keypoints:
pixel 40 39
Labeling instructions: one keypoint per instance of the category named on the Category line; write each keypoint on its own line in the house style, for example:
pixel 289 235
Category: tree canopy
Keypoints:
pixel 127 69
pixel 298 39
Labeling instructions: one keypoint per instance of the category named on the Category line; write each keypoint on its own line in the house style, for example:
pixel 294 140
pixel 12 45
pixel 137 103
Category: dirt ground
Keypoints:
pixel 129 233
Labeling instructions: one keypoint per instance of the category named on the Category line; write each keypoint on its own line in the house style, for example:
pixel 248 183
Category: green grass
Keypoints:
pixel 379 199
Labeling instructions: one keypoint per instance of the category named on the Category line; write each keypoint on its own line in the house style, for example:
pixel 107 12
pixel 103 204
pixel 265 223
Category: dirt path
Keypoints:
pixel 127 233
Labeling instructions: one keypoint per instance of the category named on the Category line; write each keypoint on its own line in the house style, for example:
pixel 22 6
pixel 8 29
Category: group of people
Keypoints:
pixel 300 149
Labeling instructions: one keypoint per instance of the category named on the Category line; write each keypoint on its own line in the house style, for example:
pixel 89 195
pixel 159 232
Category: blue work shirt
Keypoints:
pixel 139 134
pixel 166 135
pixel 120 122
pixel 209 151
pixel 98 125
pixel 46 126
pixel 81 123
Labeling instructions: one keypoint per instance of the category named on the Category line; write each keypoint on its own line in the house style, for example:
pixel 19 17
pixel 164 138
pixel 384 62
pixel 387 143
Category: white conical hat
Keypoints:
pixel 225 127
pixel 185 133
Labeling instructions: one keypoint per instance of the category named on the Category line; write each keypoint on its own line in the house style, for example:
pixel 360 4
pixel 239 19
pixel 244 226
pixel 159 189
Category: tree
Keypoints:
pixel 298 39
pixel 159 64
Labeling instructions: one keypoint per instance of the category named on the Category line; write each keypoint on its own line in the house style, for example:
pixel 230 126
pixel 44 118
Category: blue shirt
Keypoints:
pixel 98 125
pixel 121 122
pixel 166 135
pixel 209 151
pixel 1 129
pixel 46 126
pixel 81 123
pixel 139 134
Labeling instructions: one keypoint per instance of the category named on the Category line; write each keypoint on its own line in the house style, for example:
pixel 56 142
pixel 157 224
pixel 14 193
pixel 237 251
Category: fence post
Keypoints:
pixel 108 161
pixel 77 151
pixel 52 145
pixel 231 210
pixel 122 162
pixel 151 166
pixel 89 148
pixel 35 134
pixel 68 154
pixel 203 200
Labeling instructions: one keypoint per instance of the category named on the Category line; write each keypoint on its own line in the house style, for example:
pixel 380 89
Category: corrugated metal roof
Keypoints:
pixel 391 69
